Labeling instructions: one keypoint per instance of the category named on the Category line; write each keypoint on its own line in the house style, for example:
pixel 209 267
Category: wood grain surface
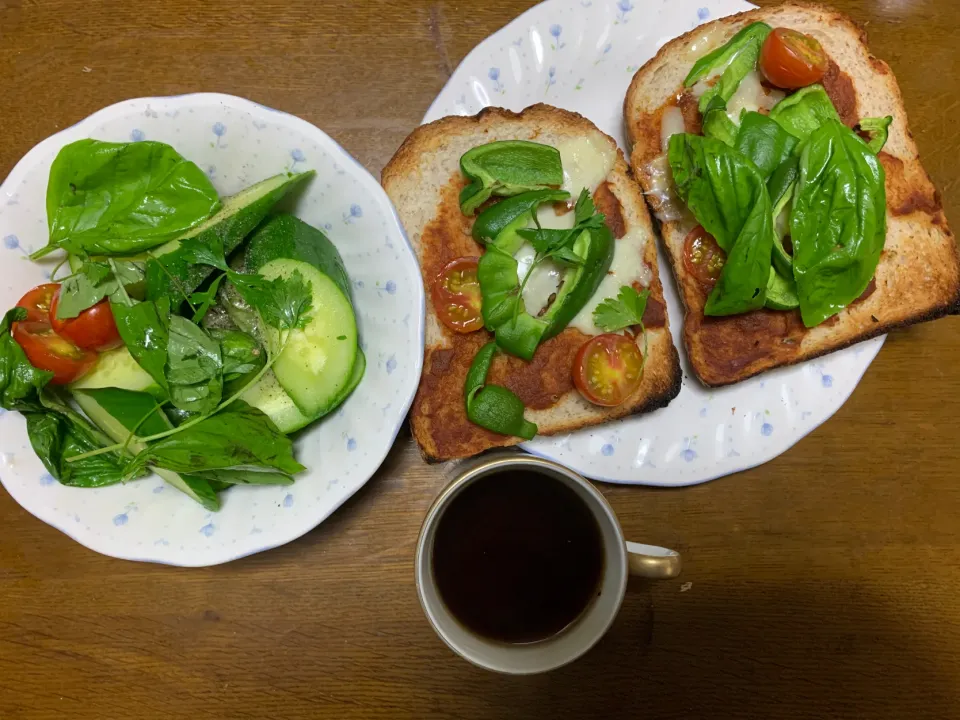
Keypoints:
pixel 824 584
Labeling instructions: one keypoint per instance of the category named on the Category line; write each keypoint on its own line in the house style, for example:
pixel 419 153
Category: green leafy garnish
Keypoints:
pixel 283 303
pixel 194 367
pixel 626 310
pixel 93 282
pixel 123 198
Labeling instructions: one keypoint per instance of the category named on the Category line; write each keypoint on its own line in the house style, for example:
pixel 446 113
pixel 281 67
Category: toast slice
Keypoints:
pixel 424 181
pixel 918 277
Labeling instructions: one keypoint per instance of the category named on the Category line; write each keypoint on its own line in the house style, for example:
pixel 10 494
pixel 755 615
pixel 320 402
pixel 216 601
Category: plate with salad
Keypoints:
pixel 212 329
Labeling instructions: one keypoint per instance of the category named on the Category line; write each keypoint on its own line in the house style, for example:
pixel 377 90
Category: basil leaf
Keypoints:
pixel 283 303
pixel 241 353
pixel 92 283
pixel 723 56
pixel 58 433
pixel 729 197
pixel 734 62
pixel 507 168
pixel 878 129
pixel 626 310
pixel 838 223
pixel 143 329
pixel 805 111
pixel 194 367
pixel 246 477
pixel 20 382
pixel 764 142
pixel 716 124
pixel 499 286
pixel 115 198
pixel 781 183
pixel 491 406
pixel 237 437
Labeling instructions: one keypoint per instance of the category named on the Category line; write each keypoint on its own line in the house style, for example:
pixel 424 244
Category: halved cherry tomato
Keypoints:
pixel 48 351
pixel 791 60
pixel 608 369
pixel 37 302
pixel 702 257
pixel 456 295
pixel 93 329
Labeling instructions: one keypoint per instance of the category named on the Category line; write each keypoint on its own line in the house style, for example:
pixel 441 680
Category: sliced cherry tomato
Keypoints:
pixel 37 302
pixel 93 329
pixel 456 295
pixel 702 257
pixel 608 369
pixel 48 351
pixel 791 60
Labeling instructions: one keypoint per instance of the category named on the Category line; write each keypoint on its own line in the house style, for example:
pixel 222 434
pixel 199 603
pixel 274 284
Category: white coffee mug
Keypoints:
pixel 621 558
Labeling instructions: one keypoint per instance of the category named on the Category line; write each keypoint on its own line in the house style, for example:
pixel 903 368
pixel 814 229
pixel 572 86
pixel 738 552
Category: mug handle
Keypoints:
pixel 651 561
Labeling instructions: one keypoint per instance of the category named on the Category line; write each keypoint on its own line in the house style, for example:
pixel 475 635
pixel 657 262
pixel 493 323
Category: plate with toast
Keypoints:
pixel 663 241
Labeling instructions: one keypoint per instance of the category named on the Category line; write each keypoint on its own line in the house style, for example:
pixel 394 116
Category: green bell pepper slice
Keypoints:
pixel 491 406
pixel 507 168
pixel 501 221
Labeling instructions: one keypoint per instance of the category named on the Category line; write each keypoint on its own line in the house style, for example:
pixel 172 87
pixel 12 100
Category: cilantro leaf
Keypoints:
pixel 546 241
pixel 566 256
pixel 283 303
pixel 203 249
pixel 203 300
pixel 584 209
pixel 615 314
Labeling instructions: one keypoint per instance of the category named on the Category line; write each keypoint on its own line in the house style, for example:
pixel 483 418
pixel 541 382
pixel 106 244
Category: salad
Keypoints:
pixel 188 335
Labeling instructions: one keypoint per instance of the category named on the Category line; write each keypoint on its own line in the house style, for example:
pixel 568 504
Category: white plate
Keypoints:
pixel 238 143
pixel 581 55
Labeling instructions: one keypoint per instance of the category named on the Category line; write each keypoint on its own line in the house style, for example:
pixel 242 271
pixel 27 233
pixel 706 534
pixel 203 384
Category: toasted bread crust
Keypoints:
pixel 423 180
pixel 918 277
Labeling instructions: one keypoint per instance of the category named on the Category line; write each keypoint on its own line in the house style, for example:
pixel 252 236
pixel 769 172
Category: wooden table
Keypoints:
pixel 825 583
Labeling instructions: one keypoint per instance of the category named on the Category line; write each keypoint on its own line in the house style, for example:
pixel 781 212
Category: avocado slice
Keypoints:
pixel 117 412
pixel 238 217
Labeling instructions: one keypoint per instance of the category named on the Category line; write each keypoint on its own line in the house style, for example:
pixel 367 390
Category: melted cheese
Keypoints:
pixel 586 163
pixel 671 124
pixel 751 95
pixel 627 268
pixel 543 283
pixel 669 206
pixel 706 39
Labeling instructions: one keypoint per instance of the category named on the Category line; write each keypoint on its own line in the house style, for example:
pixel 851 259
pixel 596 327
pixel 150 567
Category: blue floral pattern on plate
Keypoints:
pixel 704 433
pixel 238 143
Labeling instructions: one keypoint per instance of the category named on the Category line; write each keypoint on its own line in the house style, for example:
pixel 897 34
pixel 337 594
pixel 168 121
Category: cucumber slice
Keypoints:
pixel 271 399
pixel 316 365
pixel 284 236
pixel 117 411
pixel 237 217
pixel 118 369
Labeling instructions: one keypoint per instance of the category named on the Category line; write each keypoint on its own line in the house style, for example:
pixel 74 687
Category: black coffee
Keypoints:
pixel 517 556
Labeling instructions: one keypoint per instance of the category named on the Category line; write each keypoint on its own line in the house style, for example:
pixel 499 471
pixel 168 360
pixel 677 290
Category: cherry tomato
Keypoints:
pixel 37 302
pixel 702 257
pixel 48 351
pixel 93 329
pixel 608 369
pixel 456 295
pixel 791 60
